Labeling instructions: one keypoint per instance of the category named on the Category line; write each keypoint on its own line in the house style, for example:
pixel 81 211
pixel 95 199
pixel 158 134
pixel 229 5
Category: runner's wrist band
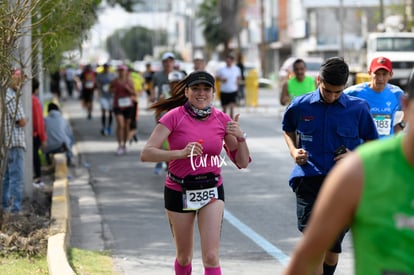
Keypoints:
pixel 242 139
pixel 402 124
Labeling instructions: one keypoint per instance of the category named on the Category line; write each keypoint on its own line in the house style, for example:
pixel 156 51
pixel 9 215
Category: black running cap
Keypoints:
pixel 198 77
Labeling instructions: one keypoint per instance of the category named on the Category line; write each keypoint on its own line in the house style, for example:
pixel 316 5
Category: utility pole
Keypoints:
pixel 263 39
pixel 381 6
pixel 409 9
pixel 25 53
pixel 341 28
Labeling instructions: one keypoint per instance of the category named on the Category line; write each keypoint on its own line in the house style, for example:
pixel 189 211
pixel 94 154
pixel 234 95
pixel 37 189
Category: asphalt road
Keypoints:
pixel 259 231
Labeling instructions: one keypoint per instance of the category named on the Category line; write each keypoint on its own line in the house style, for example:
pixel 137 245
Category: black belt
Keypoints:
pixel 201 180
pixel 175 179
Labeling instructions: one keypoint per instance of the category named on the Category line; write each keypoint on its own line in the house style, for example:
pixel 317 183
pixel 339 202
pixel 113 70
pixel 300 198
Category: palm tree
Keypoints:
pixel 230 12
pixel 221 21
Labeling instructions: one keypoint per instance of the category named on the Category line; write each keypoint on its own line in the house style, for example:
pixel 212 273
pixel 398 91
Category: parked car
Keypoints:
pixel 313 65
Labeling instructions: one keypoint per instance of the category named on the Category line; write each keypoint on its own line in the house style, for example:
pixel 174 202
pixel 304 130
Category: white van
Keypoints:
pixel 396 46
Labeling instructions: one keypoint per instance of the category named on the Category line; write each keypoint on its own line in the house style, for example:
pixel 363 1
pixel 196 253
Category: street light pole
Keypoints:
pixel 263 42
pixel 26 56
pixel 341 28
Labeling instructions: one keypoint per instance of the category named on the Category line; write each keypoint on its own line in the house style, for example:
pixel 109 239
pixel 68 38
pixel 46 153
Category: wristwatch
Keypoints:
pixel 242 139
pixel 402 124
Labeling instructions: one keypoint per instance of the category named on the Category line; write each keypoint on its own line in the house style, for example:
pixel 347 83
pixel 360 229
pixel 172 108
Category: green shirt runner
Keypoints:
pixel 297 88
pixel 383 228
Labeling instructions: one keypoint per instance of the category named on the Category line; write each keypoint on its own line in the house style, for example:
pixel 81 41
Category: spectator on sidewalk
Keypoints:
pixel 39 134
pixel 15 121
pixel 59 134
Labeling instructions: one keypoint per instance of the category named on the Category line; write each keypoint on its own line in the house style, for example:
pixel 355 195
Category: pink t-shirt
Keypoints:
pixel 185 129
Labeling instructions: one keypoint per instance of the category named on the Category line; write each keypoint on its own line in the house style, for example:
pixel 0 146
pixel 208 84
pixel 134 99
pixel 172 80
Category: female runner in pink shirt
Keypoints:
pixel 196 132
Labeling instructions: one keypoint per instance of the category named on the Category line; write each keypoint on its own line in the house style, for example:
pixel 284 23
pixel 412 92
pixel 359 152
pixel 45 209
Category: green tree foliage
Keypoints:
pixel 53 26
pixel 134 43
pixel 230 12
pixel 138 42
pixel 211 21
pixel 62 25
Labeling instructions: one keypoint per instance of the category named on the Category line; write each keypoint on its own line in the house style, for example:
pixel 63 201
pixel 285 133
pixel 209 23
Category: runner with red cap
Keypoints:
pixel 383 98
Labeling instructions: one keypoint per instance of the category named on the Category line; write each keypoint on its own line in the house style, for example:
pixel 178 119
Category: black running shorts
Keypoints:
pixel 173 200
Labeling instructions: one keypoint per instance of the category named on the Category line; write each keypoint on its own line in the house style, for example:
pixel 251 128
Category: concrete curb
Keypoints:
pixel 60 228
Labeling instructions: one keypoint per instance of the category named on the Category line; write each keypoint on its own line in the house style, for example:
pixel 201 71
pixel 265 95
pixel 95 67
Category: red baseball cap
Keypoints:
pixel 16 72
pixel 380 63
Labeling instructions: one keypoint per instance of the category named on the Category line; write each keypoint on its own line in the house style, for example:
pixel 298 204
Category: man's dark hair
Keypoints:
pixel 298 61
pixel 52 106
pixel 35 85
pixel 334 71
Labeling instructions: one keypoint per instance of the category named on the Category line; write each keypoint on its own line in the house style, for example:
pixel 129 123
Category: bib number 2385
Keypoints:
pixel 196 199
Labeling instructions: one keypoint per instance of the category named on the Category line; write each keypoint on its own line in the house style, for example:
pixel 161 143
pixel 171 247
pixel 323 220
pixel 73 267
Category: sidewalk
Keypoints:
pixel 77 222
pixel 87 230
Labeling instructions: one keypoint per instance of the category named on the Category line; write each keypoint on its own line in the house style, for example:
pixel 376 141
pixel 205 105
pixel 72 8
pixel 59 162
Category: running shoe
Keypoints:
pixel 134 138
pixel 38 184
pixel 120 151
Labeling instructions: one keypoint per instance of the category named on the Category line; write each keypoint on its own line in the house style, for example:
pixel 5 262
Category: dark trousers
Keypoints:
pixel 307 190
pixel 36 159
pixel 62 149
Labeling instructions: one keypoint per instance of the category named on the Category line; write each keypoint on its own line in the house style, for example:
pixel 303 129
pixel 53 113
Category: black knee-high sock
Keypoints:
pixel 328 269
pixel 110 120
pixel 103 120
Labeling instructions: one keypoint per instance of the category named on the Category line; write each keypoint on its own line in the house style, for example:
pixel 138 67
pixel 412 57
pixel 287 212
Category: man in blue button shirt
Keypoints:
pixel 319 128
